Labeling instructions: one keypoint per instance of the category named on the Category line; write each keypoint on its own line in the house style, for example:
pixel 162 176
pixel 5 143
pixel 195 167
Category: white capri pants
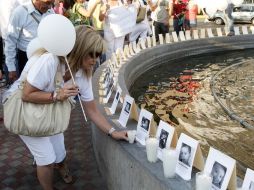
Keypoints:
pixel 113 43
pixel 139 29
pixel 46 150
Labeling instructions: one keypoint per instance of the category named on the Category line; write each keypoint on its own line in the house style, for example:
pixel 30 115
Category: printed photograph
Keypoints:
pixel 109 87
pixel 185 154
pixel 127 107
pixel 218 173
pixel 117 96
pixel 251 187
pixel 145 123
pixel 163 139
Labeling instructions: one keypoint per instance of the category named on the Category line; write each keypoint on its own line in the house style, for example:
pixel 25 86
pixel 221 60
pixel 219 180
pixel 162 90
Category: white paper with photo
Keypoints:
pixel 109 90
pixel 221 167
pixel 144 125
pixel 165 133
pixel 126 109
pixel 115 60
pixel 248 182
pixel 113 107
pixel 106 78
pixel 186 147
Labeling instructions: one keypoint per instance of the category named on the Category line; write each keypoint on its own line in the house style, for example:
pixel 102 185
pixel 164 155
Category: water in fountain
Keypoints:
pixel 179 93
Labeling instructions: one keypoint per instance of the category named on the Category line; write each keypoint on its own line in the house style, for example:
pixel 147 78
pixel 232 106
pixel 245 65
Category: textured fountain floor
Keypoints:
pixel 180 94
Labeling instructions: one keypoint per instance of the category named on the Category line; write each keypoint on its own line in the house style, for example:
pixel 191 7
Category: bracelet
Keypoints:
pixel 55 96
pixel 111 131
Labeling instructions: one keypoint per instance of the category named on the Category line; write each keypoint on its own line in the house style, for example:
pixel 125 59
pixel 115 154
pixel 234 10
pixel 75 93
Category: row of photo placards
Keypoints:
pixel 219 165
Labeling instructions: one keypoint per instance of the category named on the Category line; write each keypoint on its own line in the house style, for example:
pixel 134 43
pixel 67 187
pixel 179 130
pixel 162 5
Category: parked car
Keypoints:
pixel 243 14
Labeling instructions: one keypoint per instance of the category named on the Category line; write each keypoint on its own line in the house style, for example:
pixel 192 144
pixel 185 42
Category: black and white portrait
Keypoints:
pixel 117 96
pixel 185 154
pixel 218 173
pixel 127 107
pixel 163 139
pixel 145 123
pixel 106 78
pixel 251 187
pixel 109 87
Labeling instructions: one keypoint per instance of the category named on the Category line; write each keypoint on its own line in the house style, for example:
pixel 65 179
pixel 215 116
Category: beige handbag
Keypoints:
pixel 141 14
pixel 37 120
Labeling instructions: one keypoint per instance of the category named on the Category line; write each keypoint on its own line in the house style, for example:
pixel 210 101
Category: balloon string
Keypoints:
pixel 75 84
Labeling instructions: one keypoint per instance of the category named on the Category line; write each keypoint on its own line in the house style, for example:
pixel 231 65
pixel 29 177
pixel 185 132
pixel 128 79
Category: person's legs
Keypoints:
pixel 22 59
pixel 57 142
pixel 44 155
pixel 110 41
pixel 229 19
pixel 45 176
pixel 140 29
pixel 176 26
pixel 156 30
pixel 164 29
pixel 119 42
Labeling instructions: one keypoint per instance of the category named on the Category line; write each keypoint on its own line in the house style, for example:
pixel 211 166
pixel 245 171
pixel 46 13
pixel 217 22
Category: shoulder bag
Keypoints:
pixel 141 14
pixel 37 120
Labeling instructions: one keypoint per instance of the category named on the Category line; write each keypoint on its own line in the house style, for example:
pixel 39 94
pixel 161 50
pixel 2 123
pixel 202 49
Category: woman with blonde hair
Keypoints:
pixel 49 152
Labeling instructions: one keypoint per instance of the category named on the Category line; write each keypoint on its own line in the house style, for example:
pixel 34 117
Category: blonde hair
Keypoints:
pixel 88 42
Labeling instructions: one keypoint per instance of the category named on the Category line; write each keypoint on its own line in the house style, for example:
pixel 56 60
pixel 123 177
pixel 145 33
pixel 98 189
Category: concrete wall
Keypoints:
pixel 124 165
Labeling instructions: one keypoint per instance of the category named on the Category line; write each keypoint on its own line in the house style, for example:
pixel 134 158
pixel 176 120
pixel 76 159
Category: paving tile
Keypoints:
pixel 16 163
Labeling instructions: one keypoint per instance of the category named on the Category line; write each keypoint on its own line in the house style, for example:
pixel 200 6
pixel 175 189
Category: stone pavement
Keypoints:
pixel 16 163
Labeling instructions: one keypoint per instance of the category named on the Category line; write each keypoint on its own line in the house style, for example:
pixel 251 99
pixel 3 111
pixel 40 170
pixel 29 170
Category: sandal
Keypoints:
pixel 65 173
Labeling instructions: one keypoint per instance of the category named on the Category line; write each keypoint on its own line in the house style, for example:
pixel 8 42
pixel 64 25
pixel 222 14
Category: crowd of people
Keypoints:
pixel 102 27
pixel 20 27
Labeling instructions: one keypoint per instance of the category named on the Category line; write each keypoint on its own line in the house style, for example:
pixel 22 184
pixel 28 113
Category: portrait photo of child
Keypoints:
pixel 145 123
pixel 163 139
pixel 251 187
pixel 218 173
pixel 127 107
pixel 185 154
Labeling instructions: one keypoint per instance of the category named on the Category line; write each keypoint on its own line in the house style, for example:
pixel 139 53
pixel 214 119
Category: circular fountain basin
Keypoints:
pixel 124 166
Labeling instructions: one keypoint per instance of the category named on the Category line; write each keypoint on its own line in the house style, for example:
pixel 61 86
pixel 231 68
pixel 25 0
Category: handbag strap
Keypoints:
pixel 58 76
pixel 38 22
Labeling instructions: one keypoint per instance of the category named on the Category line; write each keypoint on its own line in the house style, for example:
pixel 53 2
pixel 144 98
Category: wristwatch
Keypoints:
pixel 111 131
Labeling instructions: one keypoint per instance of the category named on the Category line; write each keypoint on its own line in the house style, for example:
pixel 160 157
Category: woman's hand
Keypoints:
pixel 120 135
pixel 67 91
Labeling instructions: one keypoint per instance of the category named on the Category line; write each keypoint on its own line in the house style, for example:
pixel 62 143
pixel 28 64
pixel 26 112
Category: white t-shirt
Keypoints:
pixel 42 76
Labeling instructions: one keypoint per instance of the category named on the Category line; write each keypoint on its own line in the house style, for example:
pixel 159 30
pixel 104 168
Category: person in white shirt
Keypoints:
pixel 22 29
pixel 141 29
pixel 50 151
pixel 118 21
pixel 6 8
pixel 161 13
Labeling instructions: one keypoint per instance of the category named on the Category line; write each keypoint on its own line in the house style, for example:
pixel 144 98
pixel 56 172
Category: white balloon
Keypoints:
pixel 32 47
pixel 201 3
pixel 57 34
pixel 211 10
pixel 237 2
pixel 222 5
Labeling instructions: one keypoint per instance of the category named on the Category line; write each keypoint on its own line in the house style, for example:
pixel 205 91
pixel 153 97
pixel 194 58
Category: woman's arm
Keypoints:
pixel 35 95
pixel 103 12
pixel 89 12
pixel 100 121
